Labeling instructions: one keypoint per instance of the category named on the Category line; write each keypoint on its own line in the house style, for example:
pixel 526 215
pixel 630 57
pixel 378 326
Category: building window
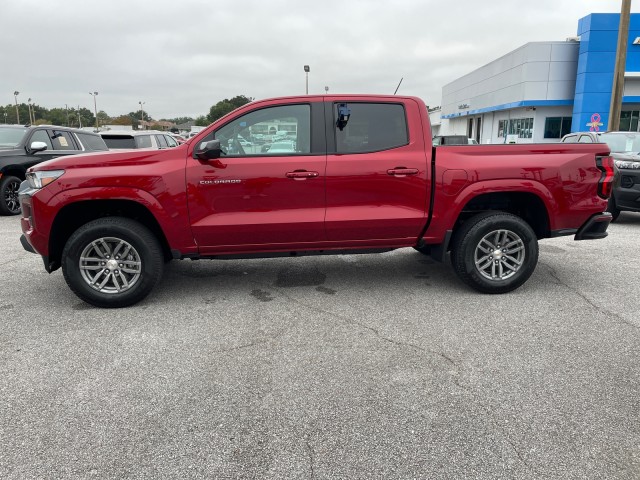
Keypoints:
pixel 629 121
pixel 522 127
pixel 557 127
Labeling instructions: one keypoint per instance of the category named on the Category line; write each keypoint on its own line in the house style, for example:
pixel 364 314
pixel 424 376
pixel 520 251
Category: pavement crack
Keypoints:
pixel 311 459
pixel 598 308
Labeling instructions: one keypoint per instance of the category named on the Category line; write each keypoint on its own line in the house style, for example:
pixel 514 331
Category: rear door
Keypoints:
pixel 253 199
pixel 376 172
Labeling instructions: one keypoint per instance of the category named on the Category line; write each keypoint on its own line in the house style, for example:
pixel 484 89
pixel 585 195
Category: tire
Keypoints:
pixel 98 275
pixel 613 209
pixel 9 204
pixel 478 252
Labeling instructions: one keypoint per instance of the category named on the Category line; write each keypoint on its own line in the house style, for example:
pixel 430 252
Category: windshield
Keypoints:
pixel 622 142
pixel 11 137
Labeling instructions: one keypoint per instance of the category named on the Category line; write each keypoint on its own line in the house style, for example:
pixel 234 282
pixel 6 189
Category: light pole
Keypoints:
pixel 306 71
pixel 5 118
pixel 67 110
pixel 326 90
pixel 30 114
pixel 15 94
pixel 79 118
pixel 141 113
pixel 95 107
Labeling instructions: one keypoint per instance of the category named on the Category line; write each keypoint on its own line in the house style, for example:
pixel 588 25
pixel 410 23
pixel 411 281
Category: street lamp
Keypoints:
pixel 95 107
pixel 67 110
pixel 15 94
pixel 141 113
pixel 326 89
pixel 5 118
pixel 306 71
pixel 30 115
pixel 79 118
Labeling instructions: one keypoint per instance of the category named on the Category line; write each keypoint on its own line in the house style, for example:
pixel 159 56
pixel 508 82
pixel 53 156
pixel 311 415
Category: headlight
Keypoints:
pixel 627 164
pixel 41 179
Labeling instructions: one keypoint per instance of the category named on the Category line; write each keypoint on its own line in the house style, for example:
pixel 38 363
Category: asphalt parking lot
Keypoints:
pixel 376 366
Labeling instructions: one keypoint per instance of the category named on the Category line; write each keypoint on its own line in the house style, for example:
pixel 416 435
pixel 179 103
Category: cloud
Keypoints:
pixel 182 57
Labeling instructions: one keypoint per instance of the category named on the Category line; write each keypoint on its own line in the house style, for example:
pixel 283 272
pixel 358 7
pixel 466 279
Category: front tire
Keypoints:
pixel 112 262
pixel 494 252
pixel 9 203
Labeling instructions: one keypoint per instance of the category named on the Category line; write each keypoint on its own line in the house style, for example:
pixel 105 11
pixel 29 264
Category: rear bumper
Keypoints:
pixel 26 245
pixel 594 228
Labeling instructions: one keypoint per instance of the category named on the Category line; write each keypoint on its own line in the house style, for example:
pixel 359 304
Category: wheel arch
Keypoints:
pixel 76 214
pixel 526 205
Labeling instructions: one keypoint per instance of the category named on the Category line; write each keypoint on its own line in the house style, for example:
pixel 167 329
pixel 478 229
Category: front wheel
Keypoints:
pixel 112 262
pixel 494 252
pixel 9 203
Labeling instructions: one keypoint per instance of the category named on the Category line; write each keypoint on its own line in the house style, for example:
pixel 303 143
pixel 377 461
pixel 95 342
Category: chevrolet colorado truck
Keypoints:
pixel 358 174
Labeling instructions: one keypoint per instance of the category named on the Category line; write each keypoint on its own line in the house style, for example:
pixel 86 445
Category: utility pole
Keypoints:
pixel 15 95
pixel 617 89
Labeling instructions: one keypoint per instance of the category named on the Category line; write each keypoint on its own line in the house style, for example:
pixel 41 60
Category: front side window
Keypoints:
pixel 41 136
pixel 281 130
pixel 62 141
pixel 372 127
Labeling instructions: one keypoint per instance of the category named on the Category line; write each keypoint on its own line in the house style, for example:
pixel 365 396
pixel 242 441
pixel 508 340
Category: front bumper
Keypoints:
pixel 594 228
pixel 626 191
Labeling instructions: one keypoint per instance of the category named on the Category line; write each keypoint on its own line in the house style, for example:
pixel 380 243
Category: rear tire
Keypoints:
pixel 112 262
pixel 613 209
pixel 9 203
pixel 494 252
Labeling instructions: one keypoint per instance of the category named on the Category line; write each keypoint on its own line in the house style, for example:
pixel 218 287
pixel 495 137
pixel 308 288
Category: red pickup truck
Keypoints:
pixel 308 175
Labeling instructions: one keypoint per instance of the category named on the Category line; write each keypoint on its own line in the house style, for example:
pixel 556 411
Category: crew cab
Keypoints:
pixel 362 176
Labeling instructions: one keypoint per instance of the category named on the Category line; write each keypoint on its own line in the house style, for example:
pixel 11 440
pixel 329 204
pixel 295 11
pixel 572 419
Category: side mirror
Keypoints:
pixel 37 147
pixel 208 150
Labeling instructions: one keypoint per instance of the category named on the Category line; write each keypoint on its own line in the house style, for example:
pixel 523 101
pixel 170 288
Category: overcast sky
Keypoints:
pixel 181 57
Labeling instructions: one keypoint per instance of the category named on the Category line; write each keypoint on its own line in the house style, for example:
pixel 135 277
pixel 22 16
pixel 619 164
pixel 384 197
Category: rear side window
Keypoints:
pixel 143 141
pixel 63 141
pixel 372 127
pixel 91 142
pixel 119 141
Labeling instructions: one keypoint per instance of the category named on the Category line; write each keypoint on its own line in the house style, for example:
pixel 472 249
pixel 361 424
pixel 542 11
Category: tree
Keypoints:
pixel 225 106
pixel 202 121
pixel 103 118
pixel 122 120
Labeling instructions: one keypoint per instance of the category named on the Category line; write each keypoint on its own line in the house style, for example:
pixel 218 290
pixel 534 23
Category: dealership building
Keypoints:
pixel 544 90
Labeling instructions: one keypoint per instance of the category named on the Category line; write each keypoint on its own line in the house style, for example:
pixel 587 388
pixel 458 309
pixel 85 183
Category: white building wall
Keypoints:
pixel 534 74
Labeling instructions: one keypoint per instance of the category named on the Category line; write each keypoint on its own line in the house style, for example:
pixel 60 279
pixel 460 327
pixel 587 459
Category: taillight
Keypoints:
pixel 605 185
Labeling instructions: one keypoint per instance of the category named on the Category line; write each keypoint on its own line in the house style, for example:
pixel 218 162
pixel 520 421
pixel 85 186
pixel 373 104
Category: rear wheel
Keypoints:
pixel 613 209
pixel 112 262
pixel 9 203
pixel 494 252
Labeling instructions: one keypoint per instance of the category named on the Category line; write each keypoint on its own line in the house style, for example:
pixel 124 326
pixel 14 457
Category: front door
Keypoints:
pixel 266 192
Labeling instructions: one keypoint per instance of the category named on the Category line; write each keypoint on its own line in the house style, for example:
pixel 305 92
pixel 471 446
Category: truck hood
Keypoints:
pixel 105 159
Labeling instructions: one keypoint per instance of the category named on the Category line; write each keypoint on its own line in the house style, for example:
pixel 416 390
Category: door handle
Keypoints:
pixel 301 174
pixel 402 172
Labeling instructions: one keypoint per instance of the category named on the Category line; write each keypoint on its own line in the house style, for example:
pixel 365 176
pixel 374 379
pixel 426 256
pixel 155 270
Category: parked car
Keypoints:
pixel 112 229
pixel 118 139
pixel 22 147
pixel 282 147
pixel 625 150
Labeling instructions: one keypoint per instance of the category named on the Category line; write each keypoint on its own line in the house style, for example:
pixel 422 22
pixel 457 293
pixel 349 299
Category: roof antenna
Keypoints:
pixel 398 86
